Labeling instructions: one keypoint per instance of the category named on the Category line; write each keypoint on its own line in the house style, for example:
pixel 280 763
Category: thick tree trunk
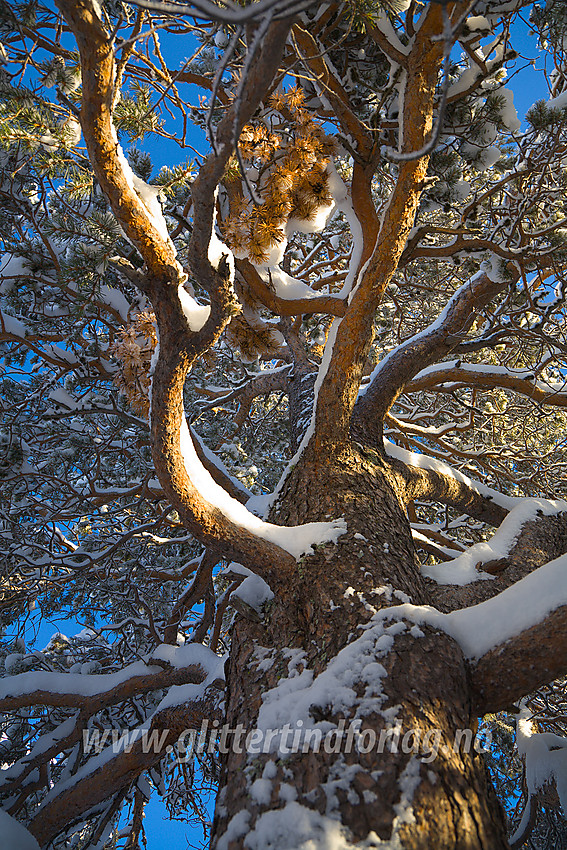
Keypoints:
pixel 384 679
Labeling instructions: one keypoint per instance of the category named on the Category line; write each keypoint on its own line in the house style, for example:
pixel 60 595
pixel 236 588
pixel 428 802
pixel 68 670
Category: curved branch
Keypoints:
pixel 103 776
pixel 180 341
pixel 98 75
pixel 331 304
pixel 489 377
pixel 395 371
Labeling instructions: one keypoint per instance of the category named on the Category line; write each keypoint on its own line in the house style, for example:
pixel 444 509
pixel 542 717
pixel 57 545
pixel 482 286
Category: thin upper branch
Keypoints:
pixel 98 79
pixel 327 82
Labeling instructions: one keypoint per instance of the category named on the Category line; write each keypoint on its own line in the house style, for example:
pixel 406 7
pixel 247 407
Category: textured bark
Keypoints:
pixel 453 804
pixel 528 656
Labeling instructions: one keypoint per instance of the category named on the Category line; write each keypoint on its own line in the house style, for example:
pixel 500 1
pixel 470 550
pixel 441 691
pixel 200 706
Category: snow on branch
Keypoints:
pixel 446 375
pixel 134 204
pixel 523 628
pixel 431 479
pixel 285 296
pixel 396 370
pixel 545 758
pixel 297 540
pixel 167 665
pixel 467 568
pixel 115 767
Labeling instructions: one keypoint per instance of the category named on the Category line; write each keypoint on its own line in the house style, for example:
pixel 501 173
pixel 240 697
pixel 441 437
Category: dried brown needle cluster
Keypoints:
pixel 292 180
pixel 134 349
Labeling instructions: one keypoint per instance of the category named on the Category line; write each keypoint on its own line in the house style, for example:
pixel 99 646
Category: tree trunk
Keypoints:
pixel 381 677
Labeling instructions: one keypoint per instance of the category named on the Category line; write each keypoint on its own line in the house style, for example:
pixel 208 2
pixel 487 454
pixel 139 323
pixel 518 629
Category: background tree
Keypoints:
pixel 300 401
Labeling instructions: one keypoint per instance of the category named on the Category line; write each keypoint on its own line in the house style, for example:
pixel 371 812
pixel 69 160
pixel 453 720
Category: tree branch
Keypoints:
pixel 455 491
pixel 392 374
pixel 351 338
pixel 40 688
pixel 521 381
pixel 330 304
pixel 521 665
pixel 105 776
pixel 326 81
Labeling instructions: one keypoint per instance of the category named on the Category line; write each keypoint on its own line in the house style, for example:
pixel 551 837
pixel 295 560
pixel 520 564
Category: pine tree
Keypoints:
pixel 283 423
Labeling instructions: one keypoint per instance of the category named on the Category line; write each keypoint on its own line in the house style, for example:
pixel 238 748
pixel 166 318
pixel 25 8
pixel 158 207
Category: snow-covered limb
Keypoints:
pixel 177 665
pixel 426 540
pixel 468 567
pixel 545 759
pixel 385 36
pixel 513 630
pixel 431 479
pixel 299 304
pixel 182 708
pixel 522 381
pixel 98 74
pixel 396 370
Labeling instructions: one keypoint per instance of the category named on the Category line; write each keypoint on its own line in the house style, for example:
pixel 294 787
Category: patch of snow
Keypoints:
pixel 116 300
pixel 508 110
pixel 14 834
pixel 545 756
pixel 283 284
pixel 196 314
pixel 217 250
pixel 291 701
pixel 253 592
pixel 478 23
pixel 9 324
pixel 261 791
pixel 149 196
pixel 236 828
pixel 464 569
pixel 559 102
